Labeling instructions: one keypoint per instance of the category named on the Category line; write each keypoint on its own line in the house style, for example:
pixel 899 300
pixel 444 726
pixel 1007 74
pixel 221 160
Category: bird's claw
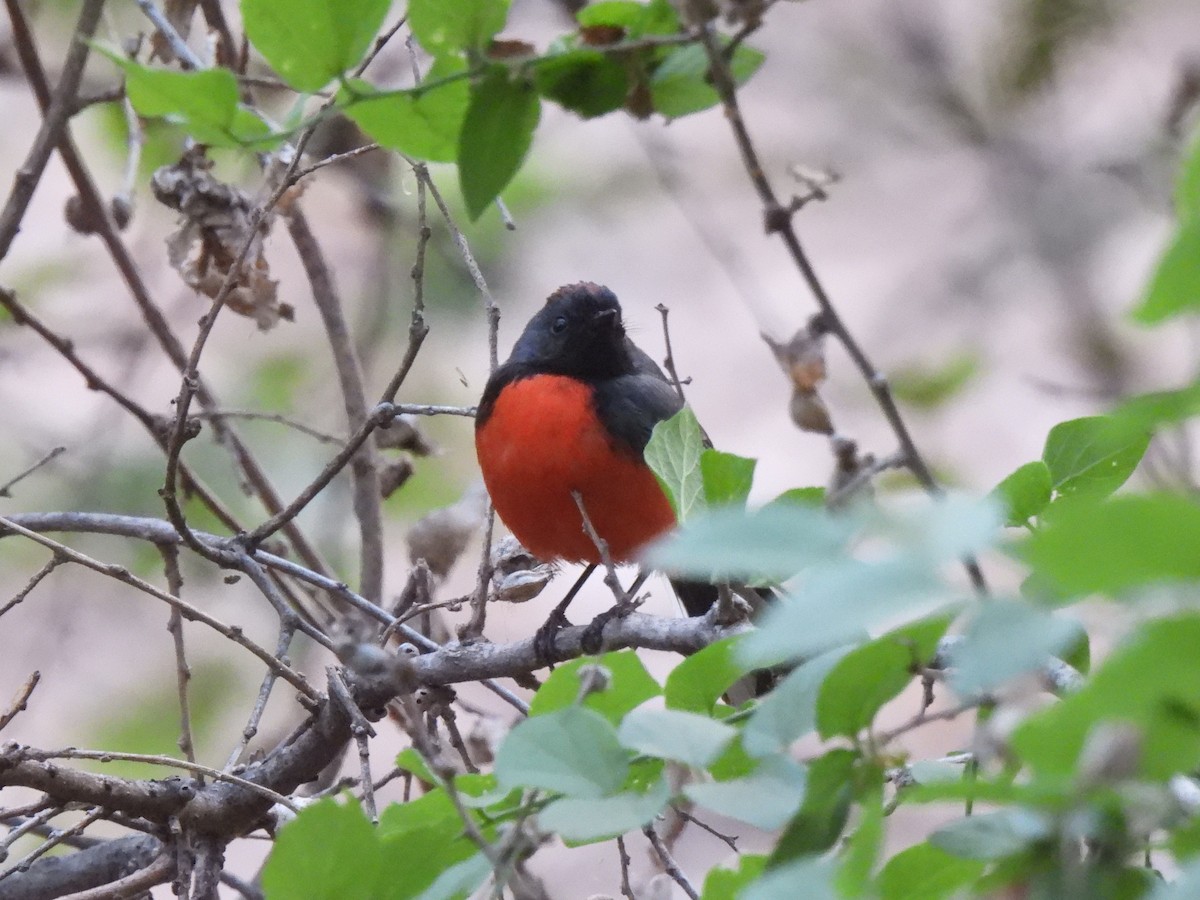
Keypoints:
pixel 592 639
pixel 545 642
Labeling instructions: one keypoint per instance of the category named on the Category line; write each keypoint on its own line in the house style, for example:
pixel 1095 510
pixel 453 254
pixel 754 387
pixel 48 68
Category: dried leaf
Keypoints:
pixel 217 221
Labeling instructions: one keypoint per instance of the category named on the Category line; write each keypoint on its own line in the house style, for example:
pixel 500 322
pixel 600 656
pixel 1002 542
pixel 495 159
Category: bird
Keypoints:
pixel 568 416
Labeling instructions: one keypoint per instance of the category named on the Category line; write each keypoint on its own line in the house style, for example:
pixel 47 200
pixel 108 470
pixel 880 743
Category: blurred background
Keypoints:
pixel 1003 188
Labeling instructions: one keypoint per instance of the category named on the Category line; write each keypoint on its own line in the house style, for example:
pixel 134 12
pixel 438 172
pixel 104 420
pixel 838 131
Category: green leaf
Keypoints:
pixel 860 851
pixel 673 454
pixel 789 711
pixel 573 751
pixel 1186 886
pixel 867 677
pixel 808 878
pixel 727 884
pixel 686 737
pixel 1005 639
pixel 924 872
pixel 987 836
pixel 1175 286
pixel 837 605
pixel 312 42
pixel 419 849
pixel 826 808
pixel 928 388
pixel 457 882
pixel 804 496
pixel 582 820
pixel 496 133
pixel 697 683
pixel 1151 411
pixel 309 856
pixel 1187 192
pixel 443 27
pixel 1024 493
pixel 773 543
pixel 423 812
pixel 410 761
pixel 425 125
pixel 679 86
pixel 638 19
pixel 726 478
pixel 585 81
pixel 1151 682
pixel 766 798
pixel 1122 543
pixel 1092 456
pixel 204 103
pixel 630 685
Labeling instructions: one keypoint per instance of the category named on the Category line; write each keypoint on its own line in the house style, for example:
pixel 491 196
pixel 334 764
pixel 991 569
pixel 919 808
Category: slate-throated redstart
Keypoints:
pixel 571 411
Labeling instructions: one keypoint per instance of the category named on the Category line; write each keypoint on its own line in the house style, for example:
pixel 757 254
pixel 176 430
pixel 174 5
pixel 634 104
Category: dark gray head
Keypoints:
pixel 578 332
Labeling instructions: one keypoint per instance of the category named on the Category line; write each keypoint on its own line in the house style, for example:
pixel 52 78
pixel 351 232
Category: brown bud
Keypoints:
pixel 394 475
pixel 403 433
pixel 441 536
pixel 81 219
pixel 601 35
pixel 121 208
pixel 809 413
pixel 802 357
pixel 508 49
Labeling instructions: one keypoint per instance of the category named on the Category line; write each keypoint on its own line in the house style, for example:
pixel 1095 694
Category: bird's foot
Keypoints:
pixel 545 642
pixel 592 639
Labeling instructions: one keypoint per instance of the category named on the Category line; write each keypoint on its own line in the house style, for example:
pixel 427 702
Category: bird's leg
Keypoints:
pixel 592 639
pixel 544 641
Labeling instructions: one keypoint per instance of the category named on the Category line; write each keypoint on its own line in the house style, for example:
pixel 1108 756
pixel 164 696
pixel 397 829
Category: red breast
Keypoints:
pixel 543 440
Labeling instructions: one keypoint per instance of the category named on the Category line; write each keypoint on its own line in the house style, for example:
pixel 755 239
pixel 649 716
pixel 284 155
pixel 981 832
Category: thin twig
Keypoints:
pixel 322 436
pixel 260 703
pixel 183 673
pixel 923 717
pixel 55 839
pixel 178 45
pixel 362 731
pixel 97 212
pixel 623 854
pixel 728 839
pixel 777 219
pixel 33 582
pixel 66 349
pixel 364 468
pixel 154 759
pixel 464 249
pixel 31 825
pixel 668 862
pixel 335 158
pixel 380 416
pixel 669 362
pixel 843 493
pixel 474 627
pixel 135 138
pixel 610 569
pixel 53 454
pixel 192 613
pixel 21 700
pixel 134 885
pixel 54 121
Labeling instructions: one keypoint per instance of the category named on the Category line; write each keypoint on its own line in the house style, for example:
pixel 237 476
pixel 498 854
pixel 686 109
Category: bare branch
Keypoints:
pixel 777 219
pixel 54 122
pixel 192 613
pixel 53 454
pixel 364 469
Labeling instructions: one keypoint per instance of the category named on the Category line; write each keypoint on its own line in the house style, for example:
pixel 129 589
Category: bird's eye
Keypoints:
pixel 560 325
